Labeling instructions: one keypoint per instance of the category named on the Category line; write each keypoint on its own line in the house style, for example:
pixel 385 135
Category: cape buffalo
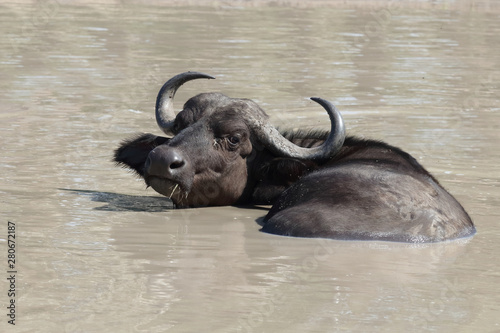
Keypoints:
pixel 223 151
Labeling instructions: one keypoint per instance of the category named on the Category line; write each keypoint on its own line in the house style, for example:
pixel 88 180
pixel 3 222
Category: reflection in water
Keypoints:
pixel 343 280
pixel 119 202
pixel 98 251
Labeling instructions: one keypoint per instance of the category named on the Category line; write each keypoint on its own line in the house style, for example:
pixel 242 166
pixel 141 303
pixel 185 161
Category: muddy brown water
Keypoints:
pixel 96 251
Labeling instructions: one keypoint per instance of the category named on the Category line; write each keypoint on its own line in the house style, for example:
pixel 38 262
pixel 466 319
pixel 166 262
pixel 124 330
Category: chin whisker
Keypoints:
pixel 175 188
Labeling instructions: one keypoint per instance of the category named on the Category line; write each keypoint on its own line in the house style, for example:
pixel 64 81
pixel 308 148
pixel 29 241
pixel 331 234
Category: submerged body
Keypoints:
pixel 369 191
pixel 321 184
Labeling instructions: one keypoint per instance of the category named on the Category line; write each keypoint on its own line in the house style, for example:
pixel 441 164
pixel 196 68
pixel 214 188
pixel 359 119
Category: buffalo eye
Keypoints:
pixel 233 140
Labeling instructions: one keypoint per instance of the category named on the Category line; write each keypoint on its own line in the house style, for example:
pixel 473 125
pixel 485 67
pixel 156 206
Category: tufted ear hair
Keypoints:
pixel 134 152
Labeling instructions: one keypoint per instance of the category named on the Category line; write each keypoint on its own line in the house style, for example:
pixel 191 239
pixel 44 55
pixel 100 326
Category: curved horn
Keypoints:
pixel 273 139
pixel 164 110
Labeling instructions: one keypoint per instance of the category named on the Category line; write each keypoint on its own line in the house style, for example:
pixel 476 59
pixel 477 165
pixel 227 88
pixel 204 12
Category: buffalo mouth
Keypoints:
pixel 175 191
pixel 183 194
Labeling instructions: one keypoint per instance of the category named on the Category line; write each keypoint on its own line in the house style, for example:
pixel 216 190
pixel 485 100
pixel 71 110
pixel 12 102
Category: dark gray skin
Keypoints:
pixel 364 190
pixel 369 191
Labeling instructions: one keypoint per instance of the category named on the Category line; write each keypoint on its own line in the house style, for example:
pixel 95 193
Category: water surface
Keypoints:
pixel 97 251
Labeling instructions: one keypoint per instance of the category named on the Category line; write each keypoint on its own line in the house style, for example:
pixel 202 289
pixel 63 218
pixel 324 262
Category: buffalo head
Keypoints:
pixel 214 146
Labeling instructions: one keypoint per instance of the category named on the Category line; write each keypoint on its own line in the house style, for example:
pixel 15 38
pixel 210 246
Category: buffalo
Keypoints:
pixel 223 151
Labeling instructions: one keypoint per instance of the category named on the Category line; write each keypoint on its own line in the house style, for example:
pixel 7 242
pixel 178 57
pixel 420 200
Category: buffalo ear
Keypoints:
pixel 133 152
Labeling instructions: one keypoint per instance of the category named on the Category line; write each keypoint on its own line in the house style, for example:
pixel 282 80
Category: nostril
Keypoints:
pixel 174 159
pixel 151 165
pixel 177 164
pixel 165 162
